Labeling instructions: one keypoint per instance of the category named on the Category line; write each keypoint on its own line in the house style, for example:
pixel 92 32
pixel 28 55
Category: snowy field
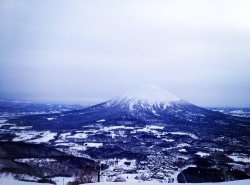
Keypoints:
pixel 241 182
pixel 9 181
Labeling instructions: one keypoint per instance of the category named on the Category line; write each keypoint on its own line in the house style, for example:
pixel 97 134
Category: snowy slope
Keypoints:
pixel 147 97
pixel 148 94
pixel 11 181
pixel 8 181
pixel 240 182
pixel 148 103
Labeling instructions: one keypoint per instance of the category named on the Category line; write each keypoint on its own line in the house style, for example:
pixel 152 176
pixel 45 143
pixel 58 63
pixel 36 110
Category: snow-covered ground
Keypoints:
pixel 8 179
pixel 78 135
pixel 29 136
pixel 26 135
pixel 45 137
pixel 59 180
pixel 3 120
pixel 21 127
pixel 239 158
pixel 5 124
pixel 202 154
pixel 241 182
pixel 241 112
pixel 4 181
pixel 62 180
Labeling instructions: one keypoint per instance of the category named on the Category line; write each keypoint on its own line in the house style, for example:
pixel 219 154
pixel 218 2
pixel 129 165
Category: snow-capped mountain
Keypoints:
pixel 142 105
pixel 145 104
pixel 147 97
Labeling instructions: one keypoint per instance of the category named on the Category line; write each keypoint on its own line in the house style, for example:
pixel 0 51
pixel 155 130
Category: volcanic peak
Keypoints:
pixel 148 95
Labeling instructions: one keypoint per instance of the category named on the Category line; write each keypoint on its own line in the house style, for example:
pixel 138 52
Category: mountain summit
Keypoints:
pixel 145 97
pixel 149 94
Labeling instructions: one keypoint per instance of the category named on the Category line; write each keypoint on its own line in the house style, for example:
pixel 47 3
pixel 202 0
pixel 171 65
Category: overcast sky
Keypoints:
pixel 91 51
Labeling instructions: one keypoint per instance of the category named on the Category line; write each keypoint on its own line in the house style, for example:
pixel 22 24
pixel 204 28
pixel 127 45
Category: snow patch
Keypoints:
pixel 25 135
pixel 168 140
pixel 96 145
pixel 6 124
pixel 239 157
pixel 64 135
pixel 21 127
pixel 79 136
pixel 202 154
pixel 116 127
pixel 182 150
pixel 3 120
pixel 36 160
pixel 45 137
pixel 183 133
pixel 155 127
pixel 101 120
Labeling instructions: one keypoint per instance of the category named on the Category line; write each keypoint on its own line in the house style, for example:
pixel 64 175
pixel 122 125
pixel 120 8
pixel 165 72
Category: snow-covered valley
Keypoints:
pixel 149 137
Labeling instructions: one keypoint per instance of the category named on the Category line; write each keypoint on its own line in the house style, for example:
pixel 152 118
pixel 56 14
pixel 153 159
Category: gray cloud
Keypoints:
pixel 90 51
